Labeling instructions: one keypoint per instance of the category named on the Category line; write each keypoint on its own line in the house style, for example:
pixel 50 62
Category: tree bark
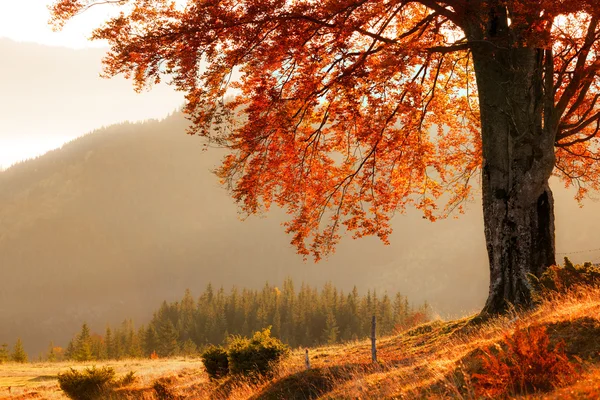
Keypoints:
pixel 518 159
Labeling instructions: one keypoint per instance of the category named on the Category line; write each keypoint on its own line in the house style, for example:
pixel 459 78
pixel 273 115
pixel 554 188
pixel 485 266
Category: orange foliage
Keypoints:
pixel 525 363
pixel 568 277
pixel 154 356
pixel 354 109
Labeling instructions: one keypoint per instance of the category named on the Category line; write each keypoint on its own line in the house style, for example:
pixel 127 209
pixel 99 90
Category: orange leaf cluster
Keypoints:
pixel 524 364
pixel 348 111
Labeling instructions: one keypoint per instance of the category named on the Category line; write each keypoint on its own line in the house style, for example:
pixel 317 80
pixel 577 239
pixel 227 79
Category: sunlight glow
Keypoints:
pixel 94 105
pixel 27 21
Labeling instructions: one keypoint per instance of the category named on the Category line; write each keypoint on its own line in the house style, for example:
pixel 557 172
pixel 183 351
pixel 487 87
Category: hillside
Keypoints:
pixel 119 220
pixel 440 359
pixel 436 360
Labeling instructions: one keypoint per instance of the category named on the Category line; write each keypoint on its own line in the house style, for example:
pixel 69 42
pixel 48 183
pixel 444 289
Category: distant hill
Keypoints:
pixel 118 220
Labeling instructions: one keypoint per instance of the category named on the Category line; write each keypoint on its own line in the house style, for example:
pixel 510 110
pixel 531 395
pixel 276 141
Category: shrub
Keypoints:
pixel 525 363
pixel 257 355
pixel 561 279
pixel 128 379
pixel 89 384
pixel 215 361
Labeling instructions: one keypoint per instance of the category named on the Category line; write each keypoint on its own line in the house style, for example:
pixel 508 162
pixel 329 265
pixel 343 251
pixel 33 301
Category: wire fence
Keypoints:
pixel 595 259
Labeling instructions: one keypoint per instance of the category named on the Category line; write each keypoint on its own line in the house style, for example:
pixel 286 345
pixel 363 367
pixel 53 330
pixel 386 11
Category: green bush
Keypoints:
pixel 215 361
pixel 89 384
pixel 257 355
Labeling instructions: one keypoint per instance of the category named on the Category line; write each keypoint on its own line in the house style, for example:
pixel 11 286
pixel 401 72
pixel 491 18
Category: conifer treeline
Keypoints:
pixel 17 355
pixel 304 317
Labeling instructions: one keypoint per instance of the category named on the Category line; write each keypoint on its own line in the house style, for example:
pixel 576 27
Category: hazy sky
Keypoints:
pixel 36 114
pixel 27 20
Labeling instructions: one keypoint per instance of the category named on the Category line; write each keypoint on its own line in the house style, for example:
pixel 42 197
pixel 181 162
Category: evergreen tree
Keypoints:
pixel 187 319
pixel 277 323
pixel 83 345
pixel 385 316
pixel 18 354
pixel 407 310
pixel 119 343
pixel 167 339
pixel 134 349
pixel 141 337
pixel 150 340
pixel 189 348
pixel 70 352
pixel 98 347
pixel 398 311
pixel 4 354
pixel 110 345
pixel 331 332
pixel 51 357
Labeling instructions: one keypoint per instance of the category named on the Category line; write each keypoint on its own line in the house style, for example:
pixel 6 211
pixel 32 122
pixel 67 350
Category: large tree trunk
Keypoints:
pixel 518 159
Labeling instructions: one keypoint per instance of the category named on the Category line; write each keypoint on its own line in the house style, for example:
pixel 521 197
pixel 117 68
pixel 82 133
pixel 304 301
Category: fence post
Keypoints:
pixel 307 360
pixel 373 339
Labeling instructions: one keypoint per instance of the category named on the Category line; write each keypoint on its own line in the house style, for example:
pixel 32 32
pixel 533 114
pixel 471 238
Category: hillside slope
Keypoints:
pixel 439 359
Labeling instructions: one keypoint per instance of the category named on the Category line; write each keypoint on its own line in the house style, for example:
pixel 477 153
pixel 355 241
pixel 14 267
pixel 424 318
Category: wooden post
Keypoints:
pixel 373 339
pixel 307 360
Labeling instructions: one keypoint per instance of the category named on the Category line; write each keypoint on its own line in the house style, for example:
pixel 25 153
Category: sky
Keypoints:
pixel 27 20
pixel 37 118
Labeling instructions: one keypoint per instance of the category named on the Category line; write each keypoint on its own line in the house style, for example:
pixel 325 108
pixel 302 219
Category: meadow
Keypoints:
pixel 434 360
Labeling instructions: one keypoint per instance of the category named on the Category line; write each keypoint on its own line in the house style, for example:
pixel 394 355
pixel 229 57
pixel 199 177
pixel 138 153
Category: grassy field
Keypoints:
pixel 38 380
pixel 435 360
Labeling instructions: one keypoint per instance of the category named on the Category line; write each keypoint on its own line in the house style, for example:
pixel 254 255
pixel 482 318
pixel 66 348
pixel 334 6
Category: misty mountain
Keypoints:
pixel 116 221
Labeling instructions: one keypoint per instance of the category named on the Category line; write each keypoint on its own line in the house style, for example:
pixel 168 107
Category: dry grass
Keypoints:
pixel 435 360
pixel 39 380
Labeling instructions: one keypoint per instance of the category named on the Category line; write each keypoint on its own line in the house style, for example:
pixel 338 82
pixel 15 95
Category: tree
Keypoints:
pixel 4 354
pixel 331 332
pixel 83 345
pixel 372 102
pixel 355 109
pixel 51 357
pixel 151 342
pixel 189 348
pixel 167 339
pixel 55 353
pixel 110 345
pixel 70 351
pixel 18 353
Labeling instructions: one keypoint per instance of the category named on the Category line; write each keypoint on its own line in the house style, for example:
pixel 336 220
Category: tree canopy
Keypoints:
pixel 355 109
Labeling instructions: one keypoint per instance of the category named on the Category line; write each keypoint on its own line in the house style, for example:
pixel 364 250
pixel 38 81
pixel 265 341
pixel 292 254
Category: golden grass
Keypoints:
pixel 431 361
pixel 39 380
